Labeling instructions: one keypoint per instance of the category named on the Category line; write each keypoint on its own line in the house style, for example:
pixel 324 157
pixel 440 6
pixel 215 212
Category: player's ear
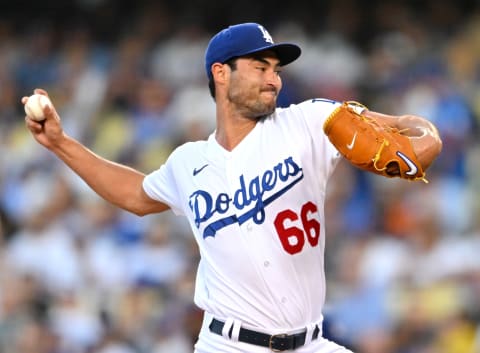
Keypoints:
pixel 219 71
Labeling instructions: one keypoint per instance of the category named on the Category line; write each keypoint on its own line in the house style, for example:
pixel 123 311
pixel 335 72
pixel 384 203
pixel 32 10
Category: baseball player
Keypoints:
pixel 254 191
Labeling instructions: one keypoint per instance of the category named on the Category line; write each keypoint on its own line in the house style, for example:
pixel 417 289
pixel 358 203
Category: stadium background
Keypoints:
pixel 78 276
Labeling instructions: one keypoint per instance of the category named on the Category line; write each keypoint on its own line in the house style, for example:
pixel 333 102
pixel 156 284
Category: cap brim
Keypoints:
pixel 286 52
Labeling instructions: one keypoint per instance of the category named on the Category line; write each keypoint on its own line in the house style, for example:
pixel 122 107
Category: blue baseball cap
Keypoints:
pixel 243 39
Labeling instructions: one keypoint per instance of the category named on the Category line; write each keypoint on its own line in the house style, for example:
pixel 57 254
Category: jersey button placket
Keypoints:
pixel 230 172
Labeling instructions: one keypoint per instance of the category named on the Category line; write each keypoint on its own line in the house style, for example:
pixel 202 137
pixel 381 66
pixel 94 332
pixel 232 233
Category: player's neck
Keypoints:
pixel 230 132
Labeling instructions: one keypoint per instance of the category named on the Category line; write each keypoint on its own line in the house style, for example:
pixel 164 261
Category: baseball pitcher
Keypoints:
pixel 254 191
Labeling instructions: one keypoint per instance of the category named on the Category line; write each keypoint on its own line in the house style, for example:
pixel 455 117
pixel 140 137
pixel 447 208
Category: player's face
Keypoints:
pixel 254 85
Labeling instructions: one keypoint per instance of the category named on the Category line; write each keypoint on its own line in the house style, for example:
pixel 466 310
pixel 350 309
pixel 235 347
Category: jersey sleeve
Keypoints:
pixel 161 185
pixel 314 112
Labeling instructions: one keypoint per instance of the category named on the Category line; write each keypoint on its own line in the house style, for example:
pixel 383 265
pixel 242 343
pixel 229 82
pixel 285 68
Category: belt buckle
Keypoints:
pixel 272 337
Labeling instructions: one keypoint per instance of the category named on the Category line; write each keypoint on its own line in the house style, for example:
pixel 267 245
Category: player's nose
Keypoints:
pixel 273 80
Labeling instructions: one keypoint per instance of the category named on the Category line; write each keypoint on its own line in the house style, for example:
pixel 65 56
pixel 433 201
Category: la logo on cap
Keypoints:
pixel 246 39
pixel 268 38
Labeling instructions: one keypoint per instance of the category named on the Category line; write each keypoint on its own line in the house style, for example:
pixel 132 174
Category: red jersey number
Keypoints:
pixel 293 237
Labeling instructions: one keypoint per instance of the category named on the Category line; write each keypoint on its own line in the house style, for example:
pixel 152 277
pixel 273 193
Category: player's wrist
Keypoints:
pixel 61 144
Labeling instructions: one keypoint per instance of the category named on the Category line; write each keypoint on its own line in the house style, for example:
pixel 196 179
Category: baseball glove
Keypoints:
pixel 370 146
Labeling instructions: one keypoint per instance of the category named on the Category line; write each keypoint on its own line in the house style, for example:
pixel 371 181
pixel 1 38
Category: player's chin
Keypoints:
pixel 267 110
pixel 261 108
pixel 269 103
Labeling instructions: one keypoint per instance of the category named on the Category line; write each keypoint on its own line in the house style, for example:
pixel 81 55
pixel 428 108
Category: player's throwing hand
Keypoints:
pixel 47 131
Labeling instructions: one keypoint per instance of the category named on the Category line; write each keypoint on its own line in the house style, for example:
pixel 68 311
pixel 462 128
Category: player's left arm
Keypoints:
pixel 393 146
pixel 422 133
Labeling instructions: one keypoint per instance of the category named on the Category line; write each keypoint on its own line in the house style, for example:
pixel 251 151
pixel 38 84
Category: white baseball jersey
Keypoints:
pixel 257 213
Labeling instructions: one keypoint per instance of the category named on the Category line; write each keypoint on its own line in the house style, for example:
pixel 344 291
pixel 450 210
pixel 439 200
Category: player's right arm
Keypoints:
pixel 116 183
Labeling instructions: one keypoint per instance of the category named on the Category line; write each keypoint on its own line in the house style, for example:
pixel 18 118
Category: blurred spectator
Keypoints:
pixel 157 261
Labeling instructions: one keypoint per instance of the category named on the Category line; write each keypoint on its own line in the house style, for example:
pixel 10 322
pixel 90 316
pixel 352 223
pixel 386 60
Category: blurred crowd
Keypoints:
pixel 78 275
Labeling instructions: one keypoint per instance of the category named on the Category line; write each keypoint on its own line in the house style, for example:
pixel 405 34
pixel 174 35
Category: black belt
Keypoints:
pixel 277 343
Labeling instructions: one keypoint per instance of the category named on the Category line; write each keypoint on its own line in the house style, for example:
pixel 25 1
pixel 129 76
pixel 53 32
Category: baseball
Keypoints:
pixel 34 106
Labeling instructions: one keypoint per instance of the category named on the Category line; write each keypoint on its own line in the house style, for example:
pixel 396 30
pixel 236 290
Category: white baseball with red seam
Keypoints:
pixel 34 106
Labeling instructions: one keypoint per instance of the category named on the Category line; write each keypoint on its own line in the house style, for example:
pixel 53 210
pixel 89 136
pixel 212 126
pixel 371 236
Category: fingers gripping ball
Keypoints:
pixel 35 105
pixel 379 149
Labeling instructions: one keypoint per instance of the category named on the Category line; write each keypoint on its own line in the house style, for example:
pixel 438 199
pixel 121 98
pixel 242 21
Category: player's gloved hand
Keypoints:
pixel 370 146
